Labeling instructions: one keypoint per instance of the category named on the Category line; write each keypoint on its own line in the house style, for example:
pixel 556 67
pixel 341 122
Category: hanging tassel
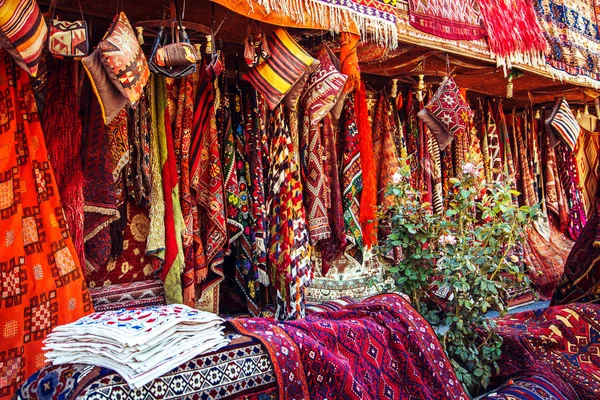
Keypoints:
pixel 140 34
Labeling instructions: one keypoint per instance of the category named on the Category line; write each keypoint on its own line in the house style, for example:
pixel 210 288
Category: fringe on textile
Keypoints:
pixel 565 76
pixel 383 33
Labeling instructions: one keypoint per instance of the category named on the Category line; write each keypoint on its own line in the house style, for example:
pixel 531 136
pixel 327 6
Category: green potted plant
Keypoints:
pixel 459 264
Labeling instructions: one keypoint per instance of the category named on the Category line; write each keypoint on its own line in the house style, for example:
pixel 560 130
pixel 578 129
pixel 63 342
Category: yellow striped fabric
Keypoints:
pixel 22 22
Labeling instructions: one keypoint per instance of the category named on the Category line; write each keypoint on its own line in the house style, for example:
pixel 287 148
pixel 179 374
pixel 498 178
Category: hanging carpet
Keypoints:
pixel 514 33
pixel 453 20
pixel 571 28
pixel 41 281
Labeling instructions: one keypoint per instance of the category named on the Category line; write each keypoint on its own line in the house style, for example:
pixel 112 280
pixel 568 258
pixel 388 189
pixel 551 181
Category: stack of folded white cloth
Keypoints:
pixel 138 344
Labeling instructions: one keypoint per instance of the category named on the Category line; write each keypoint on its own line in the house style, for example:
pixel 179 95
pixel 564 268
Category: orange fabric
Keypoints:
pixel 368 198
pixel 252 9
pixel 349 60
pixel 41 282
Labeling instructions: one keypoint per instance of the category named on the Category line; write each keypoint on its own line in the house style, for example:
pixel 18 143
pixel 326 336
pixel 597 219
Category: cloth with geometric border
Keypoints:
pixel 41 281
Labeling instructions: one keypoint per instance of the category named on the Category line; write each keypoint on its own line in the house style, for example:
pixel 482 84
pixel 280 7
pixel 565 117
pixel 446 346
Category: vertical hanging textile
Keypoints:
pixel 289 253
pixel 349 61
pixel 571 28
pixel 554 193
pixel 437 196
pixel 314 181
pixel 61 118
pixel 352 183
pixel 569 179
pixel 494 149
pixel 181 143
pixel 107 153
pixel 452 20
pixel 246 272
pixel 384 149
pixel 256 136
pixel 425 160
pixel 514 32
pixel 155 244
pixel 42 281
pixel 207 184
pixel 230 176
pixel 370 164
pixel 139 180
pixel 581 279
pixel 173 222
pixel 335 246
pixel 411 135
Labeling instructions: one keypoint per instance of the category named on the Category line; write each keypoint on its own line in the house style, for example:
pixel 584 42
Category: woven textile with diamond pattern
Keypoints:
pixel 241 368
pixel 380 348
pixel 560 343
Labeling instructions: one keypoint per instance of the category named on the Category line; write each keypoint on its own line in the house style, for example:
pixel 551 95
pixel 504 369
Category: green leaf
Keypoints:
pixel 451 212
pixel 465 193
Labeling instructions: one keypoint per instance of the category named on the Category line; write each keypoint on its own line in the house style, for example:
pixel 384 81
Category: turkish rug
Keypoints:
pixel 133 264
pixel 141 294
pixel 375 19
pixel 514 32
pixel 41 281
pixel 559 341
pixel 61 118
pixel 314 181
pixel 569 180
pixel 289 251
pixel 207 184
pixel 380 348
pixel 528 388
pixel 453 20
pixel 352 183
pixel 256 139
pixel 239 369
pixel 332 248
pixel 571 30
pixel 182 135
pixel 587 156
pixel 546 258
pixel 581 279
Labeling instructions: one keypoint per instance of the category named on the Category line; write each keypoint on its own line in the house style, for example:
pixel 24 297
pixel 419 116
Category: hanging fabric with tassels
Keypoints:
pixel 514 32
pixel 375 19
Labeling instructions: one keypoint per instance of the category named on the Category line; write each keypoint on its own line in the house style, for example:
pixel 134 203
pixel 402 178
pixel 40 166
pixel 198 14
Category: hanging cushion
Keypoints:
pixel 323 88
pixel 110 98
pixel 447 115
pixel 23 25
pixel 562 124
pixel 124 59
pixel 288 63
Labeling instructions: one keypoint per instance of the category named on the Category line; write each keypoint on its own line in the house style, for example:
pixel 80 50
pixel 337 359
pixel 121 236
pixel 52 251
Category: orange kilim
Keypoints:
pixel 41 282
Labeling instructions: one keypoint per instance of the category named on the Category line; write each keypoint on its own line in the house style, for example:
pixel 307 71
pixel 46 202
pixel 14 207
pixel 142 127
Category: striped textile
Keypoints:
pixel 22 22
pixel 288 63
pixel 563 125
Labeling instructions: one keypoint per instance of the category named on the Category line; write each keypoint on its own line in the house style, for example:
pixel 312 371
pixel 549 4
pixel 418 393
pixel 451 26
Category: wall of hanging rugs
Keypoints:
pixel 231 194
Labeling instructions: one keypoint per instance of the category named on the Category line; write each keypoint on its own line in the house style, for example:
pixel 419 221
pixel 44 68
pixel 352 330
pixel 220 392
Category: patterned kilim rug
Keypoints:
pixel 561 341
pixel 572 31
pixel 380 348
